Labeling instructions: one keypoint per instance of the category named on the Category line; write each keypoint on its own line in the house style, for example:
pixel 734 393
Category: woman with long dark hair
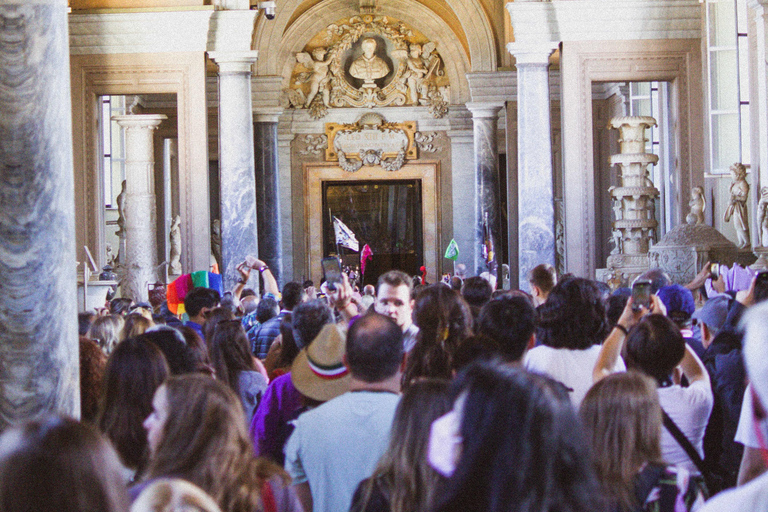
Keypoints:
pixel 196 431
pixel 235 366
pixel 134 371
pixel 444 321
pixel 403 481
pixel 510 443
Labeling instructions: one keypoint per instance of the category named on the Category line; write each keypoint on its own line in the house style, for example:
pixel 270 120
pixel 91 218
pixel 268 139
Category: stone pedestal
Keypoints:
pixel 38 303
pixel 140 210
pixel 268 193
pixel 634 208
pixel 487 221
pixel 236 163
pixel 535 192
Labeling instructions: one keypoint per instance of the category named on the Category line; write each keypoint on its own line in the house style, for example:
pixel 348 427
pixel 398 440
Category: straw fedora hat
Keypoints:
pixel 318 372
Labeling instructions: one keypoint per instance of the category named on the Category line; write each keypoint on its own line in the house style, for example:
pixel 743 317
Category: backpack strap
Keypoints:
pixel 683 441
pixel 268 497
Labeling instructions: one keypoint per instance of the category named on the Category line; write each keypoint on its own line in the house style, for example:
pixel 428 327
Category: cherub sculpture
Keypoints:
pixel 421 65
pixel 698 205
pixel 319 78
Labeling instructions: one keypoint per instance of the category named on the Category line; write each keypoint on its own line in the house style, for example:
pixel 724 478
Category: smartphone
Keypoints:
pixel 250 261
pixel 761 286
pixel 714 271
pixel 331 272
pixel 641 294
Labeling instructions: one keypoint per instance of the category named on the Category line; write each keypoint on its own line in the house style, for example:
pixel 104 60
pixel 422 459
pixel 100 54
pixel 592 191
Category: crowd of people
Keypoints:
pixel 412 397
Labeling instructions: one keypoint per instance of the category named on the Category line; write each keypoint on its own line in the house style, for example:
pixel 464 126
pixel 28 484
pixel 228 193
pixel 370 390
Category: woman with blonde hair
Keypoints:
pixel 196 431
pixel 136 324
pixel 105 331
pixel 174 495
pixel 622 418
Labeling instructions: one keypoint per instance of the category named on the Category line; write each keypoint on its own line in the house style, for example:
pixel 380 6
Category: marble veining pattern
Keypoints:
pixel 237 175
pixel 535 187
pixel 487 185
pixel 38 328
pixel 268 197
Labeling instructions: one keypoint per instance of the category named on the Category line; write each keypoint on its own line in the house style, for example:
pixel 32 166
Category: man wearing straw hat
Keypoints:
pixel 338 444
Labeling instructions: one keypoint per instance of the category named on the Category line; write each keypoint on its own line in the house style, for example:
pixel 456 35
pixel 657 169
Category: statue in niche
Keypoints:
pixel 111 256
pixel 175 236
pixel 762 216
pixel 737 208
pixel 216 241
pixel 414 77
pixel 698 205
pixel 616 238
pixel 369 67
pixel 121 211
pixel 319 79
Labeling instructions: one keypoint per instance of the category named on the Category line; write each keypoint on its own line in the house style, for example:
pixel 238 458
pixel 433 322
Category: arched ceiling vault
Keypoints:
pixel 416 15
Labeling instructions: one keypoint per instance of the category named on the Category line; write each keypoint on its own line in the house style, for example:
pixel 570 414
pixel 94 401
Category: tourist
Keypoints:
pixel 337 444
pixel 622 419
pixel 134 371
pixel 476 291
pixel 105 331
pixel 403 481
pixel 197 303
pixel 571 326
pixel 444 321
pixel 511 442
pixel 174 495
pixel 135 325
pixel 59 465
pixel 509 321
pixel 393 299
pixel 196 431
pixel 235 366
pixel 542 278
pixel 292 296
pixel 93 362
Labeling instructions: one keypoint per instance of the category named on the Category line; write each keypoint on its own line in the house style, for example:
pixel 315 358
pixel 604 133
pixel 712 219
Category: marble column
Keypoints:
pixel 140 208
pixel 268 193
pixel 236 163
pixel 39 365
pixel 536 210
pixel 487 209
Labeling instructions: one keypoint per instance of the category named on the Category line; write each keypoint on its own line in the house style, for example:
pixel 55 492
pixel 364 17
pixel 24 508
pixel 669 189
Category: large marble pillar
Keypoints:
pixel 38 291
pixel 487 207
pixel 236 163
pixel 268 193
pixel 536 210
pixel 140 208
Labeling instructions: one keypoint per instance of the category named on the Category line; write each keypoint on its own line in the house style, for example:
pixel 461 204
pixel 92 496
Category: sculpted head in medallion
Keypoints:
pixel 368 67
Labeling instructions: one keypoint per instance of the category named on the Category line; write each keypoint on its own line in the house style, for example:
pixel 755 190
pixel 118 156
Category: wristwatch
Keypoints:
pixel 263 268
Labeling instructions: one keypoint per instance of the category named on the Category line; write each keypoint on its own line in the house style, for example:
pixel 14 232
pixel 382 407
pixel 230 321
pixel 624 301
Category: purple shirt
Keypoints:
pixel 270 427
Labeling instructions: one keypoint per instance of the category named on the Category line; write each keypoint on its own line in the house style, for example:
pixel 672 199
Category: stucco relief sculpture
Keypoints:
pixel 737 208
pixel 175 236
pixel 633 198
pixel 368 61
pixel 698 205
pixel 762 216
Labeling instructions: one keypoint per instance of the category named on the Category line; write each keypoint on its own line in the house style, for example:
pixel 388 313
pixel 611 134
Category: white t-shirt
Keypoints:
pixel 752 496
pixel 571 367
pixel 689 408
pixel 745 433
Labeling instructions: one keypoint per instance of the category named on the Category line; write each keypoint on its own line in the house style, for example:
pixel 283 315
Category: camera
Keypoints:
pixel 269 8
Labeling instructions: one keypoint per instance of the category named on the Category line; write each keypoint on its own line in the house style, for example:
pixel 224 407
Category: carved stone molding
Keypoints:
pixel 398 67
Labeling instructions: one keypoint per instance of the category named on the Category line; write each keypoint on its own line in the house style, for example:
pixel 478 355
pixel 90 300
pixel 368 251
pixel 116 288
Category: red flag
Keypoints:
pixel 365 255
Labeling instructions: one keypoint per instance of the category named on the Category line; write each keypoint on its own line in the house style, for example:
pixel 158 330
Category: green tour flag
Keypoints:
pixel 452 252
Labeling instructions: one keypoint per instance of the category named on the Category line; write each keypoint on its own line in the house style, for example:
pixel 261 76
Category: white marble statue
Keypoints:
pixel 120 200
pixel 319 80
pixel 175 236
pixel 216 241
pixel 737 208
pixel 415 74
pixel 762 216
pixel 698 205
pixel 369 67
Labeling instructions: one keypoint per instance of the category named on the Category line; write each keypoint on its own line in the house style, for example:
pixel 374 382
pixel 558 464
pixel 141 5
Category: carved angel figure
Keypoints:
pixel 737 208
pixel 421 65
pixel 698 205
pixel 319 79
pixel 762 216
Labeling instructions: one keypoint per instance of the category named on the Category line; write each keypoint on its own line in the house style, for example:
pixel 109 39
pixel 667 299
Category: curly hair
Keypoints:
pixel 444 321
pixel 573 316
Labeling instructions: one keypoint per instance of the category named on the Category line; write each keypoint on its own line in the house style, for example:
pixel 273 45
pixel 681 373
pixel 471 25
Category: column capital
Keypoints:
pixel 532 53
pixel 484 110
pixel 267 115
pixel 148 121
pixel 234 62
